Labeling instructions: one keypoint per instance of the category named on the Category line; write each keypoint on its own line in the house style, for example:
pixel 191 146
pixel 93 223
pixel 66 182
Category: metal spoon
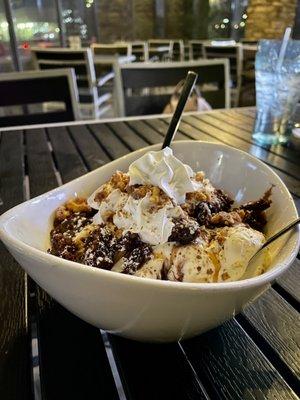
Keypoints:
pixel 185 93
pixel 276 236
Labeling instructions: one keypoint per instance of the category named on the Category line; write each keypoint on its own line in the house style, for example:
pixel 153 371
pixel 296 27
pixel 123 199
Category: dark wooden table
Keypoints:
pixel 47 352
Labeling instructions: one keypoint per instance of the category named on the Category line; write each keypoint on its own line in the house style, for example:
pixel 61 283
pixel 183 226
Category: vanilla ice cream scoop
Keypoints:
pixel 222 259
pixel 239 246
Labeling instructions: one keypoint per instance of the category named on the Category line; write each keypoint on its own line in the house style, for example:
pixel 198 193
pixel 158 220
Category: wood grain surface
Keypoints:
pixel 85 370
pixel 255 356
pixel 15 371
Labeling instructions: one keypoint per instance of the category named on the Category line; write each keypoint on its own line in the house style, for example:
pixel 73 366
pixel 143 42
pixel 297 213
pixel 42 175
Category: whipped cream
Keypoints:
pixel 163 169
pixel 137 216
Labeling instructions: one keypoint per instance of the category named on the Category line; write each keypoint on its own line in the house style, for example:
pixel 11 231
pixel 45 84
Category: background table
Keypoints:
pixel 256 355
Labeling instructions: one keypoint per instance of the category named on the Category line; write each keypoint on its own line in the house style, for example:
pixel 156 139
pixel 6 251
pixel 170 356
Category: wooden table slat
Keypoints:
pixel 11 169
pixel 109 140
pixel 247 118
pixel 246 111
pixel 254 356
pixel 70 165
pixel 73 358
pixel 147 132
pixel 290 280
pixel 153 371
pixel 232 367
pixel 15 372
pixel 93 153
pixel 127 135
pixel 161 127
pixel 236 124
pixel 211 126
pixel 193 132
pixel 40 163
pixel 241 126
pixel 279 324
pixel 85 370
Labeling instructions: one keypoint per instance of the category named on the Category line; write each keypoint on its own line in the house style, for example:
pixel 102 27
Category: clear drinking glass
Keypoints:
pixel 277 91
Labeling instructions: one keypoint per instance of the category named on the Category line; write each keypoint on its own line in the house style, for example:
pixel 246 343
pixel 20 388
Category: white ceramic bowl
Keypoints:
pixel 146 309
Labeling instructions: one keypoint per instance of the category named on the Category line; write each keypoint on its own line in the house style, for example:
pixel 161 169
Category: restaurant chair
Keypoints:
pixel 94 99
pixel 160 49
pixel 105 55
pixel 177 50
pixel 186 51
pixel 196 49
pixel 249 41
pixel 112 49
pixel 140 50
pixel 166 50
pixel 233 52
pixel 24 94
pixel 160 80
pixel 247 91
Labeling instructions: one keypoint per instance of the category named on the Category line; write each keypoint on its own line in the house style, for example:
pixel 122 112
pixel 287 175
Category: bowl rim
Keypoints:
pixel 43 256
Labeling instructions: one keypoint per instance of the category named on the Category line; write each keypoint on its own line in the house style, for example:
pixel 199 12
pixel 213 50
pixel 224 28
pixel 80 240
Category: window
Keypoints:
pixel 36 24
pixel 79 18
pixel 6 64
pixel 227 19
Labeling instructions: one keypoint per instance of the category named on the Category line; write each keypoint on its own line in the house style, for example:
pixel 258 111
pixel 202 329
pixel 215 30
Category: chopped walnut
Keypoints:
pixel 61 213
pixel 108 215
pixel 77 205
pixel 200 175
pixel 157 196
pixel 225 276
pixel 196 196
pixel 119 180
pixel 83 234
pixel 138 191
pixel 104 192
pixel 226 218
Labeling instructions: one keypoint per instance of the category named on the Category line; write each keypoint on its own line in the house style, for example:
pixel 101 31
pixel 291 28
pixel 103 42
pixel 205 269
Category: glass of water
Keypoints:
pixel 277 91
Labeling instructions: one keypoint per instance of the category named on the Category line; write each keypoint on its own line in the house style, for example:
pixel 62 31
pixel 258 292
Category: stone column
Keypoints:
pixel 267 19
pixel 187 19
pixel 296 30
pixel 143 19
pixel 174 19
pixel 115 20
pixel 196 19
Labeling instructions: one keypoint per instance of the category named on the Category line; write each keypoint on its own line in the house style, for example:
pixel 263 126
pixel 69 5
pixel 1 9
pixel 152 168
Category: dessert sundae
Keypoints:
pixel 161 220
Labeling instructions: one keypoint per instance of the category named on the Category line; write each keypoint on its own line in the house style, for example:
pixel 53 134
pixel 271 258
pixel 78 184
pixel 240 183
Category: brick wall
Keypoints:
pixel 135 19
pixel 115 20
pixel 174 19
pixel 143 19
pixel 269 18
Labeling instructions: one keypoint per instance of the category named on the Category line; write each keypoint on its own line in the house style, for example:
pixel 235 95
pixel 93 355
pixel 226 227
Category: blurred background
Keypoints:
pixel 50 23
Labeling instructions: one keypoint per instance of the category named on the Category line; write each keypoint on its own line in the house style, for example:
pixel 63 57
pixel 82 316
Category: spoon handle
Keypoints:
pixel 186 91
pixel 281 232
